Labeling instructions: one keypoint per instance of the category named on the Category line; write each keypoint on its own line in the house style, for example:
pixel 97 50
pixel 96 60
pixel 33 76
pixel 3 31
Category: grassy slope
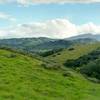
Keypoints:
pixel 23 78
pixel 79 50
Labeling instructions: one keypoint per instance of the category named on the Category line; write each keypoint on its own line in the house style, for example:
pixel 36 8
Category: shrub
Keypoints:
pixel 11 56
pixel 65 74
pixel 70 49
pixel 51 52
pixel 92 69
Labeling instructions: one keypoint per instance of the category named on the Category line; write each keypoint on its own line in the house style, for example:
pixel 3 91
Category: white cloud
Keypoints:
pixel 27 2
pixel 56 1
pixel 4 16
pixel 89 28
pixel 58 28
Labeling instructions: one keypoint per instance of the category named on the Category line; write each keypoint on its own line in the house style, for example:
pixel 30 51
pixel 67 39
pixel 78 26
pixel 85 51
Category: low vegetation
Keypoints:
pixel 92 69
pixel 88 64
pixel 24 78
pixel 61 71
pixel 51 52
pixel 73 52
pixel 85 59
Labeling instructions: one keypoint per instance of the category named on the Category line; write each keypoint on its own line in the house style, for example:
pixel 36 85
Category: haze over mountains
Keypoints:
pixel 89 35
pixel 42 44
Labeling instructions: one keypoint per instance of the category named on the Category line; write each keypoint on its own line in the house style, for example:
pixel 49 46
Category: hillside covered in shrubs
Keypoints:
pixel 88 64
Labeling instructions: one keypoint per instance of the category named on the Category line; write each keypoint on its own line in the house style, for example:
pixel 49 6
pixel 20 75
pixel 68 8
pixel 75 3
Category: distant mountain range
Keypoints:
pixel 42 44
pixel 84 36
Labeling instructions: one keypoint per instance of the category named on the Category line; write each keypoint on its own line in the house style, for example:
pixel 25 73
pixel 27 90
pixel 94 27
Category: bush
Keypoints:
pixel 92 69
pixel 53 66
pixel 44 65
pixel 69 63
pixel 66 74
pixel 51 52
pixel 70 49
pixel 11 56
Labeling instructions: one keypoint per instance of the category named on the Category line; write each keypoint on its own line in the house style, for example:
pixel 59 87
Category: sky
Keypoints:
pixel 48 18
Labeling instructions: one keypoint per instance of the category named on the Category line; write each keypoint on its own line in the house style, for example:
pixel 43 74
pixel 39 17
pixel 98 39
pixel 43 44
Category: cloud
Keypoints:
pixel 55 1
pixel 89 28
pixel 27 2
pixel 4 16
pixel 58 28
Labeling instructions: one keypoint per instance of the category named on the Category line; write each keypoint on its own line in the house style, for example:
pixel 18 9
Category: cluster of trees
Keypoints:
pixel 83 60
pixel 87 64
pixel 51 52
pixel 92 69
pixel 71 49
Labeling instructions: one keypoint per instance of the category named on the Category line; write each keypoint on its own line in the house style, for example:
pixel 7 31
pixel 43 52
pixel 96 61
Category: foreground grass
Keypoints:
pixel 23 78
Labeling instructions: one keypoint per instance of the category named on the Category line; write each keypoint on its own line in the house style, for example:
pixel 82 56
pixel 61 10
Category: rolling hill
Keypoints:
pixel 83 58
pixel 73 52
pixel 88 64
pixel 24 44
pixel 35 45
pixel 25 78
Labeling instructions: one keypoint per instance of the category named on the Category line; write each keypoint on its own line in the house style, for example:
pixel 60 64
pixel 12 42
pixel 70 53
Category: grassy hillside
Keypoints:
pixel 24 78
pixel 73 52
pixel 88 65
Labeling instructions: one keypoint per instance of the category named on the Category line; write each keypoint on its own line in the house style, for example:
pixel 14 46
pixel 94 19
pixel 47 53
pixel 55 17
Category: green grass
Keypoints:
pixel 79 50
pixel 23 78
